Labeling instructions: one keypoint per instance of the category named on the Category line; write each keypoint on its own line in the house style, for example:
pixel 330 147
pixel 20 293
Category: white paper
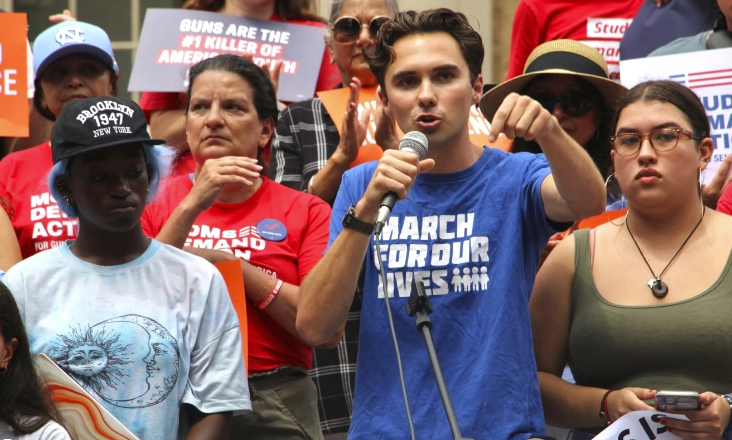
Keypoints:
pixel 640 425
pixel 709 75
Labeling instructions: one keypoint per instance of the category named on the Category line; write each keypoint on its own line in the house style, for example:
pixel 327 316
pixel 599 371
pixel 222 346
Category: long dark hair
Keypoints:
pixel 598 147
pixel 286 9
pixel 24 405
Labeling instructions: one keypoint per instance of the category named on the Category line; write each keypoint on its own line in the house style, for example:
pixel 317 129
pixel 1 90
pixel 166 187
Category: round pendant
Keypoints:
pixel 658 287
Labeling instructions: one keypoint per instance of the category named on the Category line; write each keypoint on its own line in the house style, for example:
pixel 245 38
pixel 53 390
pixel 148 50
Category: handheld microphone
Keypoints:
pixel 414 142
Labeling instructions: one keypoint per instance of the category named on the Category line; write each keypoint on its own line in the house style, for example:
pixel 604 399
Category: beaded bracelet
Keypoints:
pixel 268 300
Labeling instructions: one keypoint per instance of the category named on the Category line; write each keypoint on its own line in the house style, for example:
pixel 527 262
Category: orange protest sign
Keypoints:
pixel 593 222
pixel 231 271
pixel 335 101
pixel 13 76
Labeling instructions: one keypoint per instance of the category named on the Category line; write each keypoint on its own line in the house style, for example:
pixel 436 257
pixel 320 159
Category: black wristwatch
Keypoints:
pixel 351 221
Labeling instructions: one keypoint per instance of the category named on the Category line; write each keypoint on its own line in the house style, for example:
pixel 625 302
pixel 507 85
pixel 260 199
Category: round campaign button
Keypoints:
pixel 272 230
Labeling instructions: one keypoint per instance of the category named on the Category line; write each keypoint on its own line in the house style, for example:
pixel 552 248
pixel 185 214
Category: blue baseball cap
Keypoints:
pixel 71 37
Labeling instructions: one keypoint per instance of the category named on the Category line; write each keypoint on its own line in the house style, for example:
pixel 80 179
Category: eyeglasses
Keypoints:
pixel 574 103
pixel 347 29
pixel 663 139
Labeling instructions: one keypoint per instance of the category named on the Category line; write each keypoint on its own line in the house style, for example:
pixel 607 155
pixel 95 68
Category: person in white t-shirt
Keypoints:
pixel 147 329
pixel 25 413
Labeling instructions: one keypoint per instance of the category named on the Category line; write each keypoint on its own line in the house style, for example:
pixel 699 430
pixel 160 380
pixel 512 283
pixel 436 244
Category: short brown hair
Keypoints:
pixel 429 21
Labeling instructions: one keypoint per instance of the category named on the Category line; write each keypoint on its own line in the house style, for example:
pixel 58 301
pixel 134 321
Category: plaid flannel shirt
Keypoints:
pixel 304 140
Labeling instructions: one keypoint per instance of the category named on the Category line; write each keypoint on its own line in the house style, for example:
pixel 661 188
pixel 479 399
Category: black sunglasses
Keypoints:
pixel 574 103
pixel 347 29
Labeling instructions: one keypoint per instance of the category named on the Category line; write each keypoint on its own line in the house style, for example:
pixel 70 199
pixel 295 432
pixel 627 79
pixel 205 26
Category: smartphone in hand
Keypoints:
pixel 677 400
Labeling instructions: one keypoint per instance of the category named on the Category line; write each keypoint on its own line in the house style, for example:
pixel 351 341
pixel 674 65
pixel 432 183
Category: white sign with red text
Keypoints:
pixel 640 425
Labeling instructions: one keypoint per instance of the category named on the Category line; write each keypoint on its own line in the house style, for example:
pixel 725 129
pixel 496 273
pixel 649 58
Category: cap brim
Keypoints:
pixel 117 143
pixel 610 90
pixel 73 49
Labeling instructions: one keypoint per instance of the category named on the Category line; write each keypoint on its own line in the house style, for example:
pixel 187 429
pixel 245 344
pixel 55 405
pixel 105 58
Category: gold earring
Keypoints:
pixel 4 369
pixel 607 216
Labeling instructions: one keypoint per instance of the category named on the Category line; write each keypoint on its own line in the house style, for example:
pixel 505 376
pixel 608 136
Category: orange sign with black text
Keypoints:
pixel 13 79
pixel 335 101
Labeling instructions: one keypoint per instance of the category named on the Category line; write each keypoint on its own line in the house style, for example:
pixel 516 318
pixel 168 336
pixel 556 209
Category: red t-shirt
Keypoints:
pixel 38 222
pixel 236 228
pixel 183 164
pixel 599 24
pixel 725 201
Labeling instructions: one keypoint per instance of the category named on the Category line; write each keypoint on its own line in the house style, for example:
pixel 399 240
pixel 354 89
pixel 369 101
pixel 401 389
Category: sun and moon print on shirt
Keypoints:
pixel 129 361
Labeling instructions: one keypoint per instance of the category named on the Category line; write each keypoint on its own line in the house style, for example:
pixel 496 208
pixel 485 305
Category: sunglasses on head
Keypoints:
pixel 347 29
pixel 574 103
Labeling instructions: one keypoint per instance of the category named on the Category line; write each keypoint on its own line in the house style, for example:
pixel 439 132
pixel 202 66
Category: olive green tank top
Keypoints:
pixel 681 346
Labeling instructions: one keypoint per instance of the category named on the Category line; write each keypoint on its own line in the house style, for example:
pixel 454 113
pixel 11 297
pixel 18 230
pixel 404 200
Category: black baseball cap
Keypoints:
pixel 98 122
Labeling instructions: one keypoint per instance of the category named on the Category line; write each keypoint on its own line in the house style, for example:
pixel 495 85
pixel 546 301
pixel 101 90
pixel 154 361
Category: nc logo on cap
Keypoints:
pixel 69 35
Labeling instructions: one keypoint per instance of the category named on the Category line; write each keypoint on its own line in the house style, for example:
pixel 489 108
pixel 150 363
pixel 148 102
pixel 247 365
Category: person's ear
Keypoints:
pixel 268 128
pixel 706 149
pixel 62 184
pixel 384 101
pixel 7 355
pixel 477 89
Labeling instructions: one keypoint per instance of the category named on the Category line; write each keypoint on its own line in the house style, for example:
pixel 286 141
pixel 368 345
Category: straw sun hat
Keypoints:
pixel 564 57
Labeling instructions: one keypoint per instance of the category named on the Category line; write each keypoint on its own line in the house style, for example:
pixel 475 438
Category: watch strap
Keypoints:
pixel 351 221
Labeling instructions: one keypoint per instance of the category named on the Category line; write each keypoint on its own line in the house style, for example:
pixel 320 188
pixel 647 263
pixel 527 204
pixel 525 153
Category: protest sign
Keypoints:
pixel 335 101
pixel 85 417
pixel 172 40
pixel 231 271
pixel 709 75
pixel 640 425
pixel 13 75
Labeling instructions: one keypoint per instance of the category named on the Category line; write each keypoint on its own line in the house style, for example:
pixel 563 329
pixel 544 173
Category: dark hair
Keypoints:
pixel 286 9
pixel 265 99
pixel 24 404
pixel 721 22
pixel 429 21
pixel 598 147
pixel 38 95
pixel 672 93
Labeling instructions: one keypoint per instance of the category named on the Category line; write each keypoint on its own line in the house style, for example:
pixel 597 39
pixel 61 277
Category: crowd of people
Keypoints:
pixel 110 230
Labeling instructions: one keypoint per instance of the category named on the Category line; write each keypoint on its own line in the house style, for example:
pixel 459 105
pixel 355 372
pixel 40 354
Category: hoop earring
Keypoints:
pixel 607 216
pixel 4 369
pixel 701 198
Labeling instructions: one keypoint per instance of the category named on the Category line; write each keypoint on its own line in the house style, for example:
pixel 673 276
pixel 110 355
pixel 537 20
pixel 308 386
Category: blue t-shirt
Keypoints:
pixel 473 238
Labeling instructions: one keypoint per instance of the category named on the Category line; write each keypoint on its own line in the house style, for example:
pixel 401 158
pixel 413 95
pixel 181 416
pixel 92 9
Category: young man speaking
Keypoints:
pixel 470 224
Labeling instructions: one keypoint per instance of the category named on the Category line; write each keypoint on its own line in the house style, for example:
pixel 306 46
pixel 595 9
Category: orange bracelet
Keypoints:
pixel 268 300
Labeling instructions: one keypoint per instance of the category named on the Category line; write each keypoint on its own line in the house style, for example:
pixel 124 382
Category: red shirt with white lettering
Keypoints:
pixel 38 222
pixel 245 229
pixel 597 23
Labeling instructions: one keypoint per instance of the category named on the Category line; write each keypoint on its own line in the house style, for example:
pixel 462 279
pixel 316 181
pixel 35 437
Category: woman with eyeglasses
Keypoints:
pixel 308 153
pixel 661 325
pixel 165 111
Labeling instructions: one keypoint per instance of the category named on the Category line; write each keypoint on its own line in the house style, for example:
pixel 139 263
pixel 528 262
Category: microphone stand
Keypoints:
pixel 419 306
